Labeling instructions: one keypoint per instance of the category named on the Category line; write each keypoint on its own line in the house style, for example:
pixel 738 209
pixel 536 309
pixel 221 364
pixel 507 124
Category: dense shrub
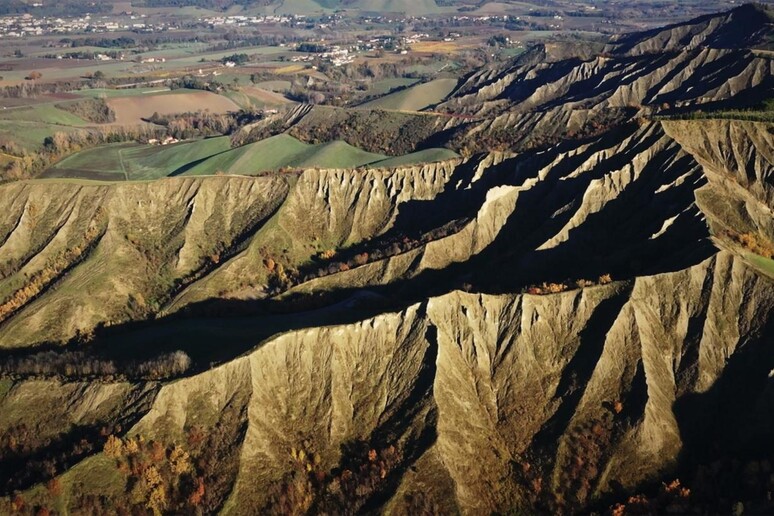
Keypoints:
pixel 753 242
pixel 74 364
pixel 93 110
pixel 308 486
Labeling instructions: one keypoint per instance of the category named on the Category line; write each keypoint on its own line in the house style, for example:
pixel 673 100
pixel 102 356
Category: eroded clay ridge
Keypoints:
pixel 690 64
pixel 623 204
pixel 473 388
pixel 547 329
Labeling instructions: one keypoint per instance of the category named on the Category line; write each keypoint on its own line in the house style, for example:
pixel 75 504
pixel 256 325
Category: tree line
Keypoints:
pixel 28 164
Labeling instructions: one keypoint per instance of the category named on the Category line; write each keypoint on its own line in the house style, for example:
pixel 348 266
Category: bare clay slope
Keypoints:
pixel 494 402
pixel 476 390
pixel 549 330
pixel 707 60
pixel 88 254
pixel 743 27
pixel 690 77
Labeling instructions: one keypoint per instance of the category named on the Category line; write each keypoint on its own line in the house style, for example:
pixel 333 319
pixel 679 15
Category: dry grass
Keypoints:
pixel 436 46
pixel 290 69
pixel 131 110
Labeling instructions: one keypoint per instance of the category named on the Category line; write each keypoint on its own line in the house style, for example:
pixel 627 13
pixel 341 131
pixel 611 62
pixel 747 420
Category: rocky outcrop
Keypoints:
pixel 533 211
pixel 324 211
pixel 346 207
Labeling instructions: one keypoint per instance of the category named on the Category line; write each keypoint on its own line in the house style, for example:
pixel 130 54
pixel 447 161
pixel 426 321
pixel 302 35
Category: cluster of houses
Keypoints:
pixel 246 21
pixel 339 55
pixel 167 140
pixel 29 25
pixel 336 55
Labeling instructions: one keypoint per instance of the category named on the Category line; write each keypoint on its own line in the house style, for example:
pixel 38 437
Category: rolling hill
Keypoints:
pixel 119 162
pixel 133 162
pixel 283 151
pixel 415 98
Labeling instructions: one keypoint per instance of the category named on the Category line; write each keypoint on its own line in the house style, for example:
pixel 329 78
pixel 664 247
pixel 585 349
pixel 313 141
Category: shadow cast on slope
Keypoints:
pixel 216 330
pixel 727 451
pixel 579 370
pixel 726 431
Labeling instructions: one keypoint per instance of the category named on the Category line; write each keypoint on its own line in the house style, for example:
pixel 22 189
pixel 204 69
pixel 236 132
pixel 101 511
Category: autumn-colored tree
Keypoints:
pixel 361 259
pixel 195 436
pixel 180 461
pixel 54 487
pixel 18 504
pixel 156 451
pixel 113 446
pixel 157 500
pixel 197 496
pixel 132 447
pixel 279 280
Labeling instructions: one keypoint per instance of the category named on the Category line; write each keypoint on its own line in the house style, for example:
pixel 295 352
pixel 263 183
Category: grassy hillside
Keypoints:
pixel 384 86
pixel 166 160
pixel 30 134
pixel 136 162
pixel 132 162
pixel 423 156
pixel 284 151
pixel 44 113
pixel 416 97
